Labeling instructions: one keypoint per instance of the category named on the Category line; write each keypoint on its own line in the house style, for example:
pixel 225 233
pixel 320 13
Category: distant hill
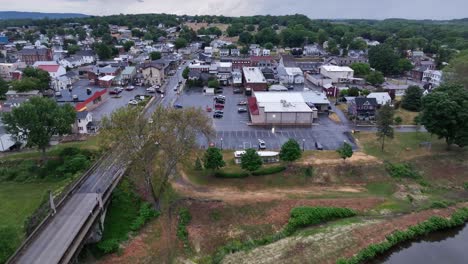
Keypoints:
pixel 36 15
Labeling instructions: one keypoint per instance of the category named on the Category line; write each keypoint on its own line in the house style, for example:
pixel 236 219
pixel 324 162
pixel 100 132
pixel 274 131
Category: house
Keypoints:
pixel 313 50
pixel 317 101
pixel 83 123
pixel 209 50
pixel 382 98
pixel 363 108
pixel 291 75
pixel 6 70
pixel 31 55
pixel 253 78
pixel 235 52
pixel 269 75
pixel 346 61
pixel 71 62
pixel 224 72
pixel 432 77
pixel 262 61
pixel 54 69
pixel 337 74
pixel 83 99
pixel 224 52
pixel 15 99
pixel 128 74
pixel 319 80
pixel 96 72
pixel 236 77
pixel 153 73
pixel 87 56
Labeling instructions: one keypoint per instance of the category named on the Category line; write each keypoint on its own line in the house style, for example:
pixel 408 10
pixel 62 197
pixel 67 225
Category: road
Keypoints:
pixel 51 243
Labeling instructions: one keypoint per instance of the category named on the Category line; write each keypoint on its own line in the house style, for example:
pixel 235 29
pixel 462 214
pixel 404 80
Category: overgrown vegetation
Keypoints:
pixel 433 224
pixel 402 170
pixel 184 220
pixel 269 170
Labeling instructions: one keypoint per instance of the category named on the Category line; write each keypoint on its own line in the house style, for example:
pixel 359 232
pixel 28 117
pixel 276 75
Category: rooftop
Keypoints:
pixel 253 75
pixel 333 68
pixel 282 102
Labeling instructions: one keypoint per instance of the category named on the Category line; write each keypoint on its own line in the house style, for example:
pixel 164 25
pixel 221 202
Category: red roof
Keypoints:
pixel 82 106
pixel 253 107
pixel 261 58
pixel 49 68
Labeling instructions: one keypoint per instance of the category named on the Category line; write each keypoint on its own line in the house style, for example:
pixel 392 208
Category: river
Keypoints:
pixel 445 247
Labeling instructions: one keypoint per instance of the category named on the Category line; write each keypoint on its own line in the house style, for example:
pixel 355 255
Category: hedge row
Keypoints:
pixel 269 170
pixel 432 224
pixel 306 216
pixel 231 175
pixel 300 217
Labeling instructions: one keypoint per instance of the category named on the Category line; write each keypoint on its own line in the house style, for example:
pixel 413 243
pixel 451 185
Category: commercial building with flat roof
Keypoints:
pixel 253 78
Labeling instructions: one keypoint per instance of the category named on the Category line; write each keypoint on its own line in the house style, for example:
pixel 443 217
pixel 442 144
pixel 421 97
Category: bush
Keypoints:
pixel 184 220
pixel 145 214
pixel 73 164
pixel 432 224
pixel 9 239
pixel 231 175
pixel 402 170
pixel 306 216
pixel 309 171
pixel 108 246
pixel 269 170
pixel 465 185
pixel 441 204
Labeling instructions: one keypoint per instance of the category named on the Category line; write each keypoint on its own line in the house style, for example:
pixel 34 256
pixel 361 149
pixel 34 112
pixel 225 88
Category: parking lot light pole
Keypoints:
pixel 221 143
pixel 303 144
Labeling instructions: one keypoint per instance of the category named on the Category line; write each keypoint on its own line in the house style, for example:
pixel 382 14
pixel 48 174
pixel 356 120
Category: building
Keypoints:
pixel 15 99
pixel 319 80
pixel 291 75
pixel 128 74
pixel 316 100
pixel 280 108
pixel 55 70
pixel 236 78
pixel 153 73
pixel 84 123
pixel 266 156
pixel 30 56
pixel 363 108
pixel 432 77
pixel 381 98
pixel 87 56
pixel 262 61
pixel 6 70
pixel 83 99
pixel 224 52
pixel 253 78
pixel 338 74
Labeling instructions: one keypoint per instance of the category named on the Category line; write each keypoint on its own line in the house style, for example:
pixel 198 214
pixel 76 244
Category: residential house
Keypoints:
pixel 224 72
pixel 84 123
pixel 31 55
pixel 382 98
pixel 363 108
pixel 54 69
pixel 153 73
pixel 88 56
pixel 15 99
pixel 262 61
pixel 338 74
pixel 128 74
pixel 97 72
pixel 224 52
pixel 236 77
pixel 313 50
pixel 235 52
pixel 291 75
pixel 71 62
pixel 432 77
pixel 6 69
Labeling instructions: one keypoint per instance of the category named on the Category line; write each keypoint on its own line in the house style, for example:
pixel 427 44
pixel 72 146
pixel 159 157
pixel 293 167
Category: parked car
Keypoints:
pixel 217 115
pixel 116 90
pixel 242 110
pixel 219 112
pixel 133 102
pixel 318 146
pixel 237 91
pixel 220 102
pixel 151 90
pixel 178 106
pixel 291 87
pixel 219 106
pixel 220 97
pixel 130 88
pixel 175 88
pixel 261 144
pixel 218 91
pixel 242 103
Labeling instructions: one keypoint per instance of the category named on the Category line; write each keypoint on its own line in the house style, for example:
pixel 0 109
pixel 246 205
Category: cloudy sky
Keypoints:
pixel 375 9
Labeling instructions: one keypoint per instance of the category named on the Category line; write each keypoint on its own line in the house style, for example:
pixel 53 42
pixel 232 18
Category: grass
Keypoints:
pixel 406 116
pixel 384 189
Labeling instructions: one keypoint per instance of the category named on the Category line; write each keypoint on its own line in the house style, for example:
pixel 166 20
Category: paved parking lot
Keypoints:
pixel 233 131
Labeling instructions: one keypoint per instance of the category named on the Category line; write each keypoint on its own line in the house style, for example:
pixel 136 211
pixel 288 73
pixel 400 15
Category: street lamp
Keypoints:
pixel 221 143
pixel 303 144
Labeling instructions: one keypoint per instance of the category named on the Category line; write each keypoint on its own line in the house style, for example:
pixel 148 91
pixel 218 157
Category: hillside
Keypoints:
pixel 37 15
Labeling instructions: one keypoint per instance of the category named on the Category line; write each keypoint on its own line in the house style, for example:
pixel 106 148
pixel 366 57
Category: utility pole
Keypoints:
pixel 52 204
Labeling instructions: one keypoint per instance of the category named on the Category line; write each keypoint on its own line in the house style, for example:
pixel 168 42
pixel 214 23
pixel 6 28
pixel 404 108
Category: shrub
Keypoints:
pixel 9 239
pixel 73 164
pixel 269 170
pixel 231 175
pixel 402 170
pixel 145 214
pixel 309 171
pixel 198 166
pixel 305 216
pixel 69 151
pixel 184 220
pixel 108 246
pixel 432 224
pixel 398 120
pixel 465 185
pixel 441 204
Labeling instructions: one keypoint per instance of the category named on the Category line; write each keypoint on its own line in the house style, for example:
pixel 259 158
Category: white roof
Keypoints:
pixel 312 97
pixel 381 97
pixel 293 71
pixel 239 153
pixel 277 87
pixel 107 78
pixel 7 142
pixel 39 63
pixel 253 75
pixel 282 102
pixel 333 68
pixel 225 64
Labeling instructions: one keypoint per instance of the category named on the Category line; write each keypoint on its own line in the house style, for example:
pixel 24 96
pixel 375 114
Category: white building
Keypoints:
pixel 293 75
pixel 382 98
pixel 432 77
pixel 338 74
pixel 82 123
pixel 266 156
pixel 54 69
pixel 209 50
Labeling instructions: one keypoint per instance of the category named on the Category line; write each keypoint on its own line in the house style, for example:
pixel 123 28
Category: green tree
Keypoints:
pixel 445 114
pixel 213 83
pixel 41 77
pixel 456 71
pixel 384 59
pixel 213 159
pixel 128 45
pixel 198 165
pixel 245 38
pixel 250 160
pixel 358 44
pixel 25 84
pixel 360 68
pixel 384 124
pixel 155 55
pixel 412 99
pixel 353 91
pixel 375 78
pixel 322 36
pixel 180 43
pixel 37 120
pixel 398 120
pixel 103 51
pixel 345 151
pixel 290 151
pixel 333 47
pixel 3 87
pixel 185 73
pixel 72 49
pixel 269 46
pixel 404 65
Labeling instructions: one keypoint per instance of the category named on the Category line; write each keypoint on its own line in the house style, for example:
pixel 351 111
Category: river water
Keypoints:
pixel 445 247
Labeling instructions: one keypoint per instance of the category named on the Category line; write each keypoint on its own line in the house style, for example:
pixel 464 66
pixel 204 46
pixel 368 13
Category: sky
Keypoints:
pixel 370 9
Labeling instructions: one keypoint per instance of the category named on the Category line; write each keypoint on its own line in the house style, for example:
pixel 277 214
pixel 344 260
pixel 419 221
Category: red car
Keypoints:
pixel 219 106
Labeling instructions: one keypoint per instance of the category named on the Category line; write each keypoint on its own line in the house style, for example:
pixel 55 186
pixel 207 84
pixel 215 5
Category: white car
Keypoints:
pixel 261 144
pixel 151 90
pixel 180 68
pixel 130 88
pixel 133 102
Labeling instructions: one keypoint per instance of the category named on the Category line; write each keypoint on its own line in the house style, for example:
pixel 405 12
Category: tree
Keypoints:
pixel 250 160
pixel 445 114
pixel 3 87
pixel 185 73
pixel 404 65
pixel 290 151
pixel 128 45
pixel 155 55
pixel 213 159
pixel 345 151
pixel 72 49
pixel 353 91
pixel 384 59
pixel 213 83
pixel 375 78
pixel 103 51
pixel 360 68
pixel 333 47
pixel 358 44
pixel 455 72
pixel 384 124
pixel 41 77
pixel 322 36
pixel 155 148
pixel 398 120
pixel 269 46
pixel 24 85
pixel 37 120
pixel 245 38
pixel 198 164
pixel 180 43
pixel 412 99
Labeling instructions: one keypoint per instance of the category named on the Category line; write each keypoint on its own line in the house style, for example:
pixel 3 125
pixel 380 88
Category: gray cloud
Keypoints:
pixel 374 9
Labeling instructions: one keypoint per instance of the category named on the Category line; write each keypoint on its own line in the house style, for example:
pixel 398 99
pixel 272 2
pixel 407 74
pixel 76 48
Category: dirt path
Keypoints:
pixel 357 158
pixel 184 186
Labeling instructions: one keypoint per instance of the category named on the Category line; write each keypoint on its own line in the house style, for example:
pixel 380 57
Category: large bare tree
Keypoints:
pixel 156 145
